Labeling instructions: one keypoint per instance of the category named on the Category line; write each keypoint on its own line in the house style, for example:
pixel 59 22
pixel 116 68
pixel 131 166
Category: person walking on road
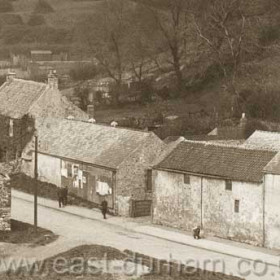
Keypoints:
pixel 60 197
pixel 65 195
pixel 104 208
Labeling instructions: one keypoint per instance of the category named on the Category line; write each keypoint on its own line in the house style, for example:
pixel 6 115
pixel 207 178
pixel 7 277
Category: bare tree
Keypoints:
pixel 172 22
pixel 108 41
pixel 221 25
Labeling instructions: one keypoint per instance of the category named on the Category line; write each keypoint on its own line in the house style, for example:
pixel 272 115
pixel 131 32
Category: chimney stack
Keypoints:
pixel 52 80
pixel 243 120
pixel 10 76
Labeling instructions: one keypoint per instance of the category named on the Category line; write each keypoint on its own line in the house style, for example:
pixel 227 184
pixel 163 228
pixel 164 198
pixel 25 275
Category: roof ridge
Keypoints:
pixel 238 147
pixel 107 125
pixel 265 131
pixel 30 81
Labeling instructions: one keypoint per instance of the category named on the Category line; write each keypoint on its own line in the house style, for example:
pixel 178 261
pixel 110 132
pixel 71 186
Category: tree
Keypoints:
pixel 172 22
pixel 108 43
pixel 221 26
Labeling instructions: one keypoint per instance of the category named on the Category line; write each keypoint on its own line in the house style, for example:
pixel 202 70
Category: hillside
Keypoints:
pixel 53 29
pixel 193 81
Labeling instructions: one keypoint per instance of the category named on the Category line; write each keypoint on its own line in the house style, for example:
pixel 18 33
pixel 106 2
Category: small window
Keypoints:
pixel 186 179
pixel 228 185
pixel 69 170
pixel 149 180
pixel 236 206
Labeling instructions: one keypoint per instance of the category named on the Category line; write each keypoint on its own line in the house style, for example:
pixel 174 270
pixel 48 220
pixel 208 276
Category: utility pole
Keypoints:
pixel 36 178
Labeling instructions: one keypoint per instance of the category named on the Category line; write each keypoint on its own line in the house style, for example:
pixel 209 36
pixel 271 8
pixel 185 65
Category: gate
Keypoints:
pixel 141 208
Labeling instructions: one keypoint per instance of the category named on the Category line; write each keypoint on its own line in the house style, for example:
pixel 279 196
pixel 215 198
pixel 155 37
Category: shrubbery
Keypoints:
pixel 36 20
pixel 19 34
pixel 43 7
pixel 6 6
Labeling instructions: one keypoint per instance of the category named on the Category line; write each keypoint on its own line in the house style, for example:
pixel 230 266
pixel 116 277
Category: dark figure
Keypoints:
pixel 104 208
pixel 60 197
pixel 196 232
pixel 65 195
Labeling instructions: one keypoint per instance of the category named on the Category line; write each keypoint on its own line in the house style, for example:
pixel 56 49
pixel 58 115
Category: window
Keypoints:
pixel 69 170
pixel 236 206
pixel 149 180
pixel 186 179
pixel 228 185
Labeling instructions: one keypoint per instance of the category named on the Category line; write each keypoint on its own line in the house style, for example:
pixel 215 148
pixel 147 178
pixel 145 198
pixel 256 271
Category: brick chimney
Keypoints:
pixel 10 76
pixel 52 80
pixel 90 111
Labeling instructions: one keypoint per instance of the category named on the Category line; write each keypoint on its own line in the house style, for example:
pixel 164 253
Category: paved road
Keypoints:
pixel 78 230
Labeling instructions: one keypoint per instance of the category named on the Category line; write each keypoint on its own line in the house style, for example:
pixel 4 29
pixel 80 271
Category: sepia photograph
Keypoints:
pixel 139 139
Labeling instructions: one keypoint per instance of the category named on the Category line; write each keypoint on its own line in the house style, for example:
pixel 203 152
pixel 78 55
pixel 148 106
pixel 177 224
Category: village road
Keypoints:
pixel 86 231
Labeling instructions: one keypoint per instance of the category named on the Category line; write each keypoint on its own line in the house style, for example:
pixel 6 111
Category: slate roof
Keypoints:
pixel 90 143
pixel 222 161
pixel 17 97
pixel 265 140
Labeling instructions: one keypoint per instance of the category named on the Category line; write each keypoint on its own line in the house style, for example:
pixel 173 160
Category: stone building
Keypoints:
pixel 223 189
pixel 97 160
pixel 5 199
pixel 23 106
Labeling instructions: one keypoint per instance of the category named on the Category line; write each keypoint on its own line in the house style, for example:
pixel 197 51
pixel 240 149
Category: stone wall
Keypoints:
pixel 176 204
pixel 132 174
pixel 206 202
pixel 272 211
pixel 5 206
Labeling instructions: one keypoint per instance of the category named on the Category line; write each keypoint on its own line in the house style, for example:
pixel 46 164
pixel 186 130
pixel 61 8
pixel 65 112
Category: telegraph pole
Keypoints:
pixel 36 178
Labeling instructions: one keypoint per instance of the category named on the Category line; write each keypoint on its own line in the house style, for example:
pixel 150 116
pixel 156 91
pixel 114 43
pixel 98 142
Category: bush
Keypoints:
pixel 37 34
pixel 264 105
pixel 269 34
pixel 83 72
pixel 6 6
pixel 11 19
pixel 43 7
pixel 36 20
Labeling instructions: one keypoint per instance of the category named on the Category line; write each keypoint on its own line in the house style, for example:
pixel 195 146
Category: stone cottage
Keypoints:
pixel 23 104
pixel 223 189
pixel 5 199
pixel 97 160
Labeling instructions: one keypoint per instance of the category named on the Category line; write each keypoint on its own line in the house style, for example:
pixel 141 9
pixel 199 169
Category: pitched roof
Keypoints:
pixel 222 161
pixel 87 142
pixel 274 165
pixel 17 97
pixel 265 140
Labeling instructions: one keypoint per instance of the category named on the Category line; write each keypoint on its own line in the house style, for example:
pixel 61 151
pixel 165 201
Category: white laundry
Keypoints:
pixel 64 172
pixel 102 188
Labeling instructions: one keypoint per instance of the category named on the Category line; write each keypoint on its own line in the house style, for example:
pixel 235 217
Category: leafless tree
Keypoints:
pixel 108 41
pixel 221 25
pixel 172 22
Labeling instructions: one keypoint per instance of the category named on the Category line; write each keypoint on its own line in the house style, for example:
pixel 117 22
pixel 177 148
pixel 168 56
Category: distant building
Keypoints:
pixel 41 55
pixel 265 140
pixel 96 160
pixel 222 189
